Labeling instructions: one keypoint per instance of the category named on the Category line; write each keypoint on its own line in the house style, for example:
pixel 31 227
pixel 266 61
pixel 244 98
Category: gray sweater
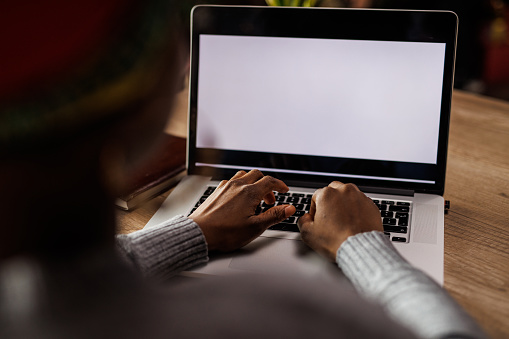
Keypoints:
pixel 369 260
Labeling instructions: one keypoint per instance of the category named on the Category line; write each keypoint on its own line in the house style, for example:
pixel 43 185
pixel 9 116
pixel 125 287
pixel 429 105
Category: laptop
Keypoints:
pixel 313 95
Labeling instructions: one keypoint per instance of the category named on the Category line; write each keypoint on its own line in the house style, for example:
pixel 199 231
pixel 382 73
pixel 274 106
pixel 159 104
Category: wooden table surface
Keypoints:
pixel 477 225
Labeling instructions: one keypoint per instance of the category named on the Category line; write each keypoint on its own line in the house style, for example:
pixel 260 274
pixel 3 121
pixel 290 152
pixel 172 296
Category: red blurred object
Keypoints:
pixel 496 66
pixel 43 40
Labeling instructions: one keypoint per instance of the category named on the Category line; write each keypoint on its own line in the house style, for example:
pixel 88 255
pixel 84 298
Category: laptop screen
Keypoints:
pixel 314 108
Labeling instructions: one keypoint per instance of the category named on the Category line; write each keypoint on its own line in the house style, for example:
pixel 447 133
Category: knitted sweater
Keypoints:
pixel 369 260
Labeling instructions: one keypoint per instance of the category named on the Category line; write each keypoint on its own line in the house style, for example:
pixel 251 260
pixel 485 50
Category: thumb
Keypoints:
pixel 304 221
pixel 275 215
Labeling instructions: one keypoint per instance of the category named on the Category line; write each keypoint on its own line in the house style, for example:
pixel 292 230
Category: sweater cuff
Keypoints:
pixel 411 298
pixel 367 257
pixel 166 249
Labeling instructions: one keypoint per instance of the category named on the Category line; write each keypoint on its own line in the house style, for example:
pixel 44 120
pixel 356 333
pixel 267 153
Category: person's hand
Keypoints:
pixel 337 212
pixel 227 218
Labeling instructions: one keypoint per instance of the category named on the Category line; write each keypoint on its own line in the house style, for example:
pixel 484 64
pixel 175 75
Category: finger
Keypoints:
pixel 222 183
pixel 238 175
pixel 268 184
pixel 270 199
pixel 336 184
pixel 312 207
pixel 273 216
pixel 305 224
pixel 340 185
pixel 305 221
pixel 253 176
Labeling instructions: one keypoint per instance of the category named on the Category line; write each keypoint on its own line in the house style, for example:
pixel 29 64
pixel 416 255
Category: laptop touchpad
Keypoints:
pixel 272 255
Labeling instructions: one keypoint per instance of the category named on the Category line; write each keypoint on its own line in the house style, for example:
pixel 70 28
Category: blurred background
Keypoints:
pixel 482 61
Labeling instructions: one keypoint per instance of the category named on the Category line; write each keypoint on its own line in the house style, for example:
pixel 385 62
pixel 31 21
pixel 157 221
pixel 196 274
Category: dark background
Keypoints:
pixel 482 59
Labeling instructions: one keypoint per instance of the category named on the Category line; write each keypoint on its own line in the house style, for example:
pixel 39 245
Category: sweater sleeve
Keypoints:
pixel 166 249
pixel 409 296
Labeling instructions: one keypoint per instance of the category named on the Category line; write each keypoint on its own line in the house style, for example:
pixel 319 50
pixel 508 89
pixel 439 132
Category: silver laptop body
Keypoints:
pixel 316 95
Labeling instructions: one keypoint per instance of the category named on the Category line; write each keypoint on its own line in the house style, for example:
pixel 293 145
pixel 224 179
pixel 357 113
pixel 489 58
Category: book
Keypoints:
pixel 163 171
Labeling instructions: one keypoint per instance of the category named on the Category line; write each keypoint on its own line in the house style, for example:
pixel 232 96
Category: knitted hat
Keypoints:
pixel 68 64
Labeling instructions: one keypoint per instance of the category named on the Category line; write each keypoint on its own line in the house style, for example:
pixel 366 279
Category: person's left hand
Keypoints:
pixel 227 218
pixel 337 212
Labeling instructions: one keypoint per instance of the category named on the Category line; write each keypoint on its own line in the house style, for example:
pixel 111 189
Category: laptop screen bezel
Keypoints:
pixel 356 24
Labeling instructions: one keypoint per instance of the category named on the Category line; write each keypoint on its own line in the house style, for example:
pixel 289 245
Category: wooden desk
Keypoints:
pixel 477 226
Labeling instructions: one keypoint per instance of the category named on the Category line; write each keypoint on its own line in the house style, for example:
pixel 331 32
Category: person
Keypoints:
pixel 86 89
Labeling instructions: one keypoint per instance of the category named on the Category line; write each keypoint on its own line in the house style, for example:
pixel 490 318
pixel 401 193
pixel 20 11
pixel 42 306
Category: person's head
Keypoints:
pixel 85 92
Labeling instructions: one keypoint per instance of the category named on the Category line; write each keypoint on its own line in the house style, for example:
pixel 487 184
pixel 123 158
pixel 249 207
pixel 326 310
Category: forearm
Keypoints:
pixel 166 249
pixel 411 298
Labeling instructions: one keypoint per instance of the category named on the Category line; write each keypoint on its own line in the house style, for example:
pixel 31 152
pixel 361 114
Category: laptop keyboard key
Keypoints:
pixel 403 222
pixel 299 207
pixel 395 229
pixel 209 191
pixel 398 208
pixel 387 214
pixel 292 200
pixel 299 213
pixel 401 215
pixel 280 198
pixel 306 201
pixel 389 221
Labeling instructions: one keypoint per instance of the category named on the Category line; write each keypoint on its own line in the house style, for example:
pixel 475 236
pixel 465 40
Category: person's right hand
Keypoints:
pixel 337 212
pixel 228 219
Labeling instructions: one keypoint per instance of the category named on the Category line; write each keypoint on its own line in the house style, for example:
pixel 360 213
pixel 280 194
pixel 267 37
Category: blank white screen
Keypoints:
pixel 338 98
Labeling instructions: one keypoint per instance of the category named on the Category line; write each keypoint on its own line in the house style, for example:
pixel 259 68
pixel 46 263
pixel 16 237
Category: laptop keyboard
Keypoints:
pixel 395 213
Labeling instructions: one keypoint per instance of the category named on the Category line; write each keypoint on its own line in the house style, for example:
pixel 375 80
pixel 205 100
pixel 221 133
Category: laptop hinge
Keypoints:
pixel 386 190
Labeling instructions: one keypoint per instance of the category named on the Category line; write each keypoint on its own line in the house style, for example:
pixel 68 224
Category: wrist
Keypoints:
pixel 207 235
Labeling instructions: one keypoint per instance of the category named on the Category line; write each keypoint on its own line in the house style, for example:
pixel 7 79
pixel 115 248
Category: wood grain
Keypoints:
pixel 477 226
pixel 130 221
